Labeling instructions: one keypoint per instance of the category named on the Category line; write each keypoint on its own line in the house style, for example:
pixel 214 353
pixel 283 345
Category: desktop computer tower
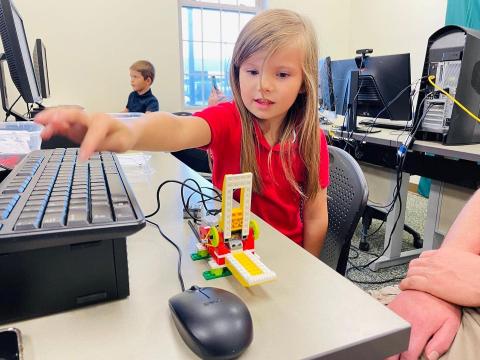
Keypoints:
pixel 453 57
pixel 49 280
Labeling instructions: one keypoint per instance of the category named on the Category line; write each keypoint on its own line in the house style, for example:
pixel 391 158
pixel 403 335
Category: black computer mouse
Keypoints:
pixel 214 323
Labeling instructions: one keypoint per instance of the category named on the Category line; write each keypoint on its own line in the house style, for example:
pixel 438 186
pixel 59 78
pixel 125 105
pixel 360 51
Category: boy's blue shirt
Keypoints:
pixel 142 103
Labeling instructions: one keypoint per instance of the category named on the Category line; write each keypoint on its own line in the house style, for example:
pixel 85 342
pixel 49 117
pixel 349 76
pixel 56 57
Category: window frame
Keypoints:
pixel 259 5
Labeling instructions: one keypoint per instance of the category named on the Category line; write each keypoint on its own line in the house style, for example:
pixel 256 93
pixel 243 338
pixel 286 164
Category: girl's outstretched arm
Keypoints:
pixel 160 131
pixel 315 219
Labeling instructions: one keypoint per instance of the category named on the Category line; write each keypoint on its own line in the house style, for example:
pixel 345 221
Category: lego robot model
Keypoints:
pixel 230 244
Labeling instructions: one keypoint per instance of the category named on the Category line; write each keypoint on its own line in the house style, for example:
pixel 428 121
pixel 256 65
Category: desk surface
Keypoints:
pixel 309 311
pixel 393 138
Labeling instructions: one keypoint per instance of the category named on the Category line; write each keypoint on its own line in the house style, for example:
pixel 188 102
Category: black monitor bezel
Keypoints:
pixel 17 62
pixel 376 66
pixel 40 66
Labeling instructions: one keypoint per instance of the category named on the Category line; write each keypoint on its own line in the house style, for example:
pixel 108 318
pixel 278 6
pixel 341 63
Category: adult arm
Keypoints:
pixel 464 234
pixel 452 273
pixel 434 322
pixel 447 276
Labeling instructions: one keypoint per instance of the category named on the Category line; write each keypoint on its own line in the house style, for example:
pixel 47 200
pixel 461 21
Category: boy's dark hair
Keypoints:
pixel 145 68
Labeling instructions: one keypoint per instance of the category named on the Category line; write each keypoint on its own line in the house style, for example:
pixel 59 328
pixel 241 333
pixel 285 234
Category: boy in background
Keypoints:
pixel 141 99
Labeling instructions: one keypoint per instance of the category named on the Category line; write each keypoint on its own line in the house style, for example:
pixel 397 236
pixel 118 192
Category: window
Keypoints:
pixel 209 30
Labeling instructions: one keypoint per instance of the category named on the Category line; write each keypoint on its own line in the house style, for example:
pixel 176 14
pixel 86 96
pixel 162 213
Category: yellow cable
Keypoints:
pixel 460 105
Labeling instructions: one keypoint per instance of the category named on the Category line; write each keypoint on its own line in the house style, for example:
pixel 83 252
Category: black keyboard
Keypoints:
pixel 50 199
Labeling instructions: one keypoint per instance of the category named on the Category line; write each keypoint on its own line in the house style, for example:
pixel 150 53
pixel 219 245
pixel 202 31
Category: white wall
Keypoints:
pixel 393 27
pixel 91 44
pixel 331 19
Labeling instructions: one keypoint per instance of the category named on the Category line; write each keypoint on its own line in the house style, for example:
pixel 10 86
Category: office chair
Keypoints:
pixel 347 198
pixel 197 159
pixel 374 213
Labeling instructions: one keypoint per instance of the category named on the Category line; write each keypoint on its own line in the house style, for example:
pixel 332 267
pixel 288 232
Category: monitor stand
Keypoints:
pixel 351 114
pixel 3 93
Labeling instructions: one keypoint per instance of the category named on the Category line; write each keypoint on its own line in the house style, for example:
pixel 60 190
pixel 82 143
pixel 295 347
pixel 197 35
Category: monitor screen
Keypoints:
pixel 380 80
pixel 41 68
pixel 17 52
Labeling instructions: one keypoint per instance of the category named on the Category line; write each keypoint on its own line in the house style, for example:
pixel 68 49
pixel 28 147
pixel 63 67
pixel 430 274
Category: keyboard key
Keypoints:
pixel 77 217
pixel 30 223
pixel 123 212
pixel 57 193
pixel 101 213
pixel 53 220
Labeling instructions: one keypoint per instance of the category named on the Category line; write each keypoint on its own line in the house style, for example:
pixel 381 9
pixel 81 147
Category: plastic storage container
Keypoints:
pixel 129 116
pixel 19 137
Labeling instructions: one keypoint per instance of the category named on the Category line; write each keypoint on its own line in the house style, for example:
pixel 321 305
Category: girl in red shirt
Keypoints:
pixel 271 127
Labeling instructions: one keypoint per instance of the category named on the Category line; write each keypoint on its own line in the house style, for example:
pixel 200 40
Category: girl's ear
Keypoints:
pixel 302 89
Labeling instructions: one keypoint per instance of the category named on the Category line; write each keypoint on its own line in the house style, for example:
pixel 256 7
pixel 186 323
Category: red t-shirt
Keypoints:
pixel 278 203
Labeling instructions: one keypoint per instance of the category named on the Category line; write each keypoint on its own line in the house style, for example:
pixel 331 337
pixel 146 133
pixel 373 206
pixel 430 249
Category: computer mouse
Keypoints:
pixel 214 323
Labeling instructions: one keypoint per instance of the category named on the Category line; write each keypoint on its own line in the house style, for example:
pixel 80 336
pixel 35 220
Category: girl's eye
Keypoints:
pixel 252 72
pixel 283 75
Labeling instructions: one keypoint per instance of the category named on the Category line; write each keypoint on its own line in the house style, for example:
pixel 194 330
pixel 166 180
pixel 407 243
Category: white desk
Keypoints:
pixel 393 138
pixel 309 311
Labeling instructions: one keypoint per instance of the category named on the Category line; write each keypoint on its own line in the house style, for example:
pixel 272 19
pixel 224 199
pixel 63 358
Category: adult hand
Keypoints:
pixel 434 322
pixel 448 273
pixel 96 132
pixel 215 97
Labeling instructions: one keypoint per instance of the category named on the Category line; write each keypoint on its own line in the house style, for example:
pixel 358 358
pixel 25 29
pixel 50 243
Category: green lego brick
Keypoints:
pixel 216 273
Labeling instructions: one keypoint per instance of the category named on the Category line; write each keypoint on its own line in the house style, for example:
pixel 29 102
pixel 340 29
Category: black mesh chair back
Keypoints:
pixel 347 198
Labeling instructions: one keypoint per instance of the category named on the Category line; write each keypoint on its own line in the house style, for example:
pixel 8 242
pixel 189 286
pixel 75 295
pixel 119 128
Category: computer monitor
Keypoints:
pixel 380 80
pixel 326 95
pixel 17 53
pixel 41 68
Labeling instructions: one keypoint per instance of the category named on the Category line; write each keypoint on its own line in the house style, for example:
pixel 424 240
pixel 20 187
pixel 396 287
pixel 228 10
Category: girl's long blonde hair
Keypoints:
pixel 271 30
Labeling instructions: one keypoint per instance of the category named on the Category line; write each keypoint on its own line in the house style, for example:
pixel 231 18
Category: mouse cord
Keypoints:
pixel 204 198
pixel 179 266
pixel 197 190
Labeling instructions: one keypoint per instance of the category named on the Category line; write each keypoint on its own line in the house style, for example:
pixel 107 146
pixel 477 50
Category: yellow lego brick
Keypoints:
pixel 247 263
pixel 249 270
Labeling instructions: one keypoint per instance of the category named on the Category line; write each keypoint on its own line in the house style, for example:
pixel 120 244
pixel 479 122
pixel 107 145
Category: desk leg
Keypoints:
pixel 444 204
pixel 431 239
pixel 394 255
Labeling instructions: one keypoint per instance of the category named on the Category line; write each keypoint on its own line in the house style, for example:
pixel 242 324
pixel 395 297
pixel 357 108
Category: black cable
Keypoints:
pixel 413 131
pixel 9 112
pixel 371 282
pixel 375 231
pixel 356 255
pixel 371 126
pixel 396 196
pixel 186 204
pixel 400 164
pixel 369 129
pixel 365 252
pixel 179 264
pixel 204 196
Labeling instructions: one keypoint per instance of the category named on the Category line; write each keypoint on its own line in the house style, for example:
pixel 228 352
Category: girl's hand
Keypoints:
pixel 95 132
